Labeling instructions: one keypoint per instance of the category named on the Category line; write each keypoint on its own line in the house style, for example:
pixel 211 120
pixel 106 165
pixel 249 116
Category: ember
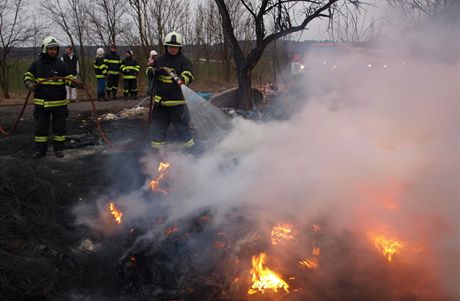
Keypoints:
pixel 387 246
pixel 171 230
pixel 263 278
pixel 316 228
pixel 316 251
pixel 155 183
pixel 117 214
pixel 282 233
pixel 310 263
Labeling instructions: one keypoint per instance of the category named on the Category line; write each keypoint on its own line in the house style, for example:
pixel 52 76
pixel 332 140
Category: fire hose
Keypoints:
pixel 101 131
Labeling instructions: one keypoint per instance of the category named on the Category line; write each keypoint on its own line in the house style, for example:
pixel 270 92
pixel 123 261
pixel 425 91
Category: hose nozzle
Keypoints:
pixel 176 78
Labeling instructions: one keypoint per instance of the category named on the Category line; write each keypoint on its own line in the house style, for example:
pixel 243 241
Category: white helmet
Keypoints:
pixel 100 51
pixel 49 42
pixel 153 53
pixel 173 39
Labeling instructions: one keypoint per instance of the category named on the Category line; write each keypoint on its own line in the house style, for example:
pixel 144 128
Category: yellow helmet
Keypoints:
pixel 173 39
pixel 49 42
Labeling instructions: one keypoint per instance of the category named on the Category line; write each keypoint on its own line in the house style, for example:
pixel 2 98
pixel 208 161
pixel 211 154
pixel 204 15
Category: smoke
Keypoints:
pixel 377 150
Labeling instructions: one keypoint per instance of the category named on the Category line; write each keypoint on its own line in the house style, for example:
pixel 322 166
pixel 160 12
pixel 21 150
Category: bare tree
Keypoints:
pixel 351 23
pixel 290 17
pixel 107 18
pixel 142 21
pixel 432 8
pixel 168 15
pixel 14 32
pixel 71 17
pixel 153 19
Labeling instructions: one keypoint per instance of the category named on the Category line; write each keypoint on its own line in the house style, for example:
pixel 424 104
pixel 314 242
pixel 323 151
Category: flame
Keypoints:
pixel 316 228
pixel 387 246
pixel 310 263
pixel 155 183
pixel 263 278
pixel 117 214
pixel 316 251
pixel 282 233
pixel 171 230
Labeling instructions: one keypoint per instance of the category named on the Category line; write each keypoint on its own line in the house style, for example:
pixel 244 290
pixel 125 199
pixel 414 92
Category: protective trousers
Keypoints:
pixel 112 84
pixel 57 117
pixel 179 116
pixel 130 87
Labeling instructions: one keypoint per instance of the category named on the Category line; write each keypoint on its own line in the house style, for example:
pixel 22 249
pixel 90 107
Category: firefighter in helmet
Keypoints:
pixel 100 70
pixel 113 62
pixel 130 68
pixel 171 71
pixel 49 97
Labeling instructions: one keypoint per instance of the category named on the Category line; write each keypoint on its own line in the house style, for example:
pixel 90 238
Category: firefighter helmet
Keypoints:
pixel 173 39
pixel 49 42
pixel 100 51
pixel 153 53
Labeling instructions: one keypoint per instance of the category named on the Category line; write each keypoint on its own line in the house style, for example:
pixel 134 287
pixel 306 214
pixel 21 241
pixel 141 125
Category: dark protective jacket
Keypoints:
pixel 71 63
pixel 49 94
pixel 130 68
pixel 113 62
pixel 168 92
pixel 100 68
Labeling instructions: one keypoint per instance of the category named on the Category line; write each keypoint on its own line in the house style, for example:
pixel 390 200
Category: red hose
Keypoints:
pixel 101 131
pixel 7 133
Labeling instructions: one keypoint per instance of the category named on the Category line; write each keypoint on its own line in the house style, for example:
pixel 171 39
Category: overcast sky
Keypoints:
pixel 317 29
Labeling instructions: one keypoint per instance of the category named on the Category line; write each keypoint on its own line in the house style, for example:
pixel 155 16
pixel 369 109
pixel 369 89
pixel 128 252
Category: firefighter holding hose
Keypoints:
pixel 171 71
pixel 49 97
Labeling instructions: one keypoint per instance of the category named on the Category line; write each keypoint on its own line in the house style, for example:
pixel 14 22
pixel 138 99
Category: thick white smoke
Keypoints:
pixel 378 150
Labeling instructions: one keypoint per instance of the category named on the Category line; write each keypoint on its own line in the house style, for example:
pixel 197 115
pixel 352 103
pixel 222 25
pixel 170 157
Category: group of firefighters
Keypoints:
pixel 48 77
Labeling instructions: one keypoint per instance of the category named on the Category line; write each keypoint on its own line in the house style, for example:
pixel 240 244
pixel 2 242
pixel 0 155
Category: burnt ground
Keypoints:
pixel 46 253
pixel 38 235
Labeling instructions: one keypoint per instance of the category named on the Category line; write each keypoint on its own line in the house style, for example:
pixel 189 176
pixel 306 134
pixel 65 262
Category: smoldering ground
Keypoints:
pixel 375 152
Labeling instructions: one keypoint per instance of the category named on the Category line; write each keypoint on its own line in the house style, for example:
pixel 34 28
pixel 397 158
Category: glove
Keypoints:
pixel 77 84
pixel 30 85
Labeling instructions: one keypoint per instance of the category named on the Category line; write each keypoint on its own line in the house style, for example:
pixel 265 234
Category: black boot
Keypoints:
pixel 40 150
pixel 38 155
pixel 59 154
pixel 59 149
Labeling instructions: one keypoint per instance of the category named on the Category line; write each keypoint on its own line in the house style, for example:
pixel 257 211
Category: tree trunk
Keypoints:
pixel 82 62
pixel 244 89
pixel 226 62
pixel 4 84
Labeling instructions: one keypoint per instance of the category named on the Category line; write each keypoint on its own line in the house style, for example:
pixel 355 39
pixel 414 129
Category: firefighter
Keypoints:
pixel 113 62
pixel 171 71
pixel 49 97
pixel 100 69
pixel 130 68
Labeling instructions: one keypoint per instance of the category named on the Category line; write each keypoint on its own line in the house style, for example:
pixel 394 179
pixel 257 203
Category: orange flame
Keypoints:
pixel 316 251
pixel 117 214
pixel 387 246
pixel 310 263
pixel 316 228
pixel 171 230
pixel 155 183
pixel 282 233
pixel 263 278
